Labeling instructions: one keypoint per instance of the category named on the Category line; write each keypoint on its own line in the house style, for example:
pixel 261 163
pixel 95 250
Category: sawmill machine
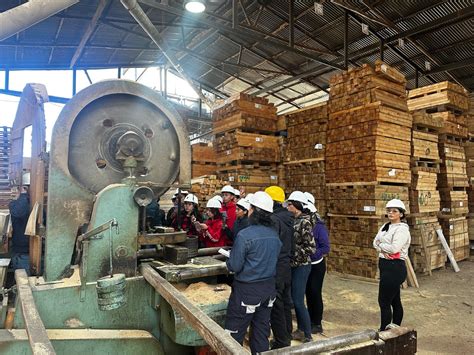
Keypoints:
pixel 115 146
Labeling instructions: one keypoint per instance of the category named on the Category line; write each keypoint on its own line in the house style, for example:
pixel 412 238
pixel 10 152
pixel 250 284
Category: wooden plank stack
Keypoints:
pixel 5 146
pixel 205 187
pixel 448 102
pixel 203 159
pixel 367 161
pixel 305 150
pixel 247 151
pixel 470 169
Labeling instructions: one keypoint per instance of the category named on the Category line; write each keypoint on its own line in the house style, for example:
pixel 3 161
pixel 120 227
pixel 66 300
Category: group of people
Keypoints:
pixel 278 254
pixel 277 257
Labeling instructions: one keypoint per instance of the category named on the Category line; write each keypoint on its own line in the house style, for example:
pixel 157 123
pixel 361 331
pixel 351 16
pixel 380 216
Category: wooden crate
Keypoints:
pixel 423 119
pixel 363 200
pixel 453 202
pixel 437 258
pixel 445 93
pixel 425 145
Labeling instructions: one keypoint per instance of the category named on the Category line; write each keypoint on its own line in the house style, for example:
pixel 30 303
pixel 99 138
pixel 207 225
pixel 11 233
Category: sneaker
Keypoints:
pixel 392 326
pixel 298 335
pixel 316 328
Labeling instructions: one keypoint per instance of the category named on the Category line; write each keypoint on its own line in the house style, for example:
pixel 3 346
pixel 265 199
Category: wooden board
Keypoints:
pixel 369 174
pixel 310 114
pixel 245 122
pixel 367 145
pixel 425 145
pixel 444 93
pixel 423 119
pixel 453 202
pixel 203 153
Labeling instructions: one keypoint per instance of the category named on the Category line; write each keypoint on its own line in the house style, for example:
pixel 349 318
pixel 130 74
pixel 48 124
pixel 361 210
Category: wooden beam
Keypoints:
pixel 37 336
pixel 88 33
pixel 220 341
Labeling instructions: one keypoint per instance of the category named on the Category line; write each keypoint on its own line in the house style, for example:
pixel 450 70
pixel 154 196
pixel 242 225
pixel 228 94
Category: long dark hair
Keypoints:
pixel 298 205
pixel 260 216
pixel 216 213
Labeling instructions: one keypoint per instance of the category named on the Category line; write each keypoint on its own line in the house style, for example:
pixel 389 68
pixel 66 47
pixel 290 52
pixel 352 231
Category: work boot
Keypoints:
pixel 391 326
pixel 316 328
pixel 298 335
pixel 307 339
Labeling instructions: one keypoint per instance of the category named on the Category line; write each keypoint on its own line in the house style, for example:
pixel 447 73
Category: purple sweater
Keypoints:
pixel 321 238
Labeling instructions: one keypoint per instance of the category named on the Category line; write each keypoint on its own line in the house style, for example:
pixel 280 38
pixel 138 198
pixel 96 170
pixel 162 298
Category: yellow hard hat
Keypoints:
pixel 276 193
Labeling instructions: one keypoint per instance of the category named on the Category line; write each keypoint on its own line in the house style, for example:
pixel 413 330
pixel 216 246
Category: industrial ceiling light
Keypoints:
pixel 195 6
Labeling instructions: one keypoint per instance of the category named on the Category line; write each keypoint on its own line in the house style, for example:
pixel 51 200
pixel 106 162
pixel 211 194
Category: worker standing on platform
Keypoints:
pixel 314 287
pixel 283 221
pixel 19 212
pixel 392 243
pixel 301 263
pixel 253 259
pixel 211 232
pixel 189 215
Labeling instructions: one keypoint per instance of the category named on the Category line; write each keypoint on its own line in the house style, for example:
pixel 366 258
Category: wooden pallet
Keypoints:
pixel 445 93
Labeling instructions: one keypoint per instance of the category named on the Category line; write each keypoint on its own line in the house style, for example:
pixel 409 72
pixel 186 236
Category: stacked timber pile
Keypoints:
pixel 367 161
pixel 247 151
pixel 203 159
pixel 5 145
pixel 205 187
pixel 470 169
pixel 449 103
pixel 305 151
pixel 426 251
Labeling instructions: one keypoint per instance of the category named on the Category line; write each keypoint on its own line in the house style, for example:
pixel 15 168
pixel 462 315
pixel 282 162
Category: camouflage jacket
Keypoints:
pixel 304 241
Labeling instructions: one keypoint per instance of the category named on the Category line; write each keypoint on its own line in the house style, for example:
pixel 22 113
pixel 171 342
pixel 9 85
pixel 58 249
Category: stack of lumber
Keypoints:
pixel 305 150
pixel 470 168
pixel 206 187
pixel 203 159
pixel 247 151
pixel 449 102
pixel 5 145
pixel 367 161
pixel 426 251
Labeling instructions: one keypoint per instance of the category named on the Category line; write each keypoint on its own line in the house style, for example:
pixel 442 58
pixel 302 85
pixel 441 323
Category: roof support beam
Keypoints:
pixel 243 32
pixel 89 31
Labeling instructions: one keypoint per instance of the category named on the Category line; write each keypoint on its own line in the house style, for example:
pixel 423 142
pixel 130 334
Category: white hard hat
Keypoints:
pixel 183 192
pixel 298 196
pixel 311 207
pixel 213 203
pixel 244 203
pixel 218 198
pixel 229 189
pixel 191 198
pixel 262 200
pixel 396 203
pixel 236 192
pixel 310 197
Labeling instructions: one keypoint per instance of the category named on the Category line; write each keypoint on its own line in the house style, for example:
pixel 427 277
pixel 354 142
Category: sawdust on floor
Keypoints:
pixel 203 293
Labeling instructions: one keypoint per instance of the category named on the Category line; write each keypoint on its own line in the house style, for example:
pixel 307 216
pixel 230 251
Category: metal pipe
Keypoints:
pixel 329 344
pixel 210 251
pixel 142 19
pixel 346 39
pixel 28 14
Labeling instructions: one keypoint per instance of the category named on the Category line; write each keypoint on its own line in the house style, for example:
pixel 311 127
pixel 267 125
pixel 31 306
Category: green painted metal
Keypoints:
pixel 115 201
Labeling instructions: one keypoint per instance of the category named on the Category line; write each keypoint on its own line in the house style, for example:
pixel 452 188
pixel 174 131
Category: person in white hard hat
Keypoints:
pixel 211 232
pixel 228 205
pixel 189 215
pixel 301 263
pixel 310 208
pixel 236 195
pixel 242 220
pixel 392 243
pixel 253 259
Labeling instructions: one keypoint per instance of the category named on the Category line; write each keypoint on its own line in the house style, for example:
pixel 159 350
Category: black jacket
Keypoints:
pixel 283 222
pixel 239 224
pixel 19 211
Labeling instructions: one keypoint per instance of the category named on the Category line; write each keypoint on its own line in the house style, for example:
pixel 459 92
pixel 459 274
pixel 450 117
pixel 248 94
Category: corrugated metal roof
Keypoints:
pixel 53 42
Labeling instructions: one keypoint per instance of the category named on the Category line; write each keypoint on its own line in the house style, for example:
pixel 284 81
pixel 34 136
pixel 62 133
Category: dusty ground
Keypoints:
pixel 441 310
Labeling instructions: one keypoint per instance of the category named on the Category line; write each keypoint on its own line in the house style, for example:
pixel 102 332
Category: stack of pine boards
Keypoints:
pixel 305 151
pixel 446 103
pixel 247 150
pixel 206 187
pixel 203 160
pixel 470 169
pixel 367 161
pixel 5 145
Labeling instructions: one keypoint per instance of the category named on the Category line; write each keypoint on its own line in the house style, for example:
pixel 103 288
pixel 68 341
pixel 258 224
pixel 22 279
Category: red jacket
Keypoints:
pixel 186 224
pixel 229 208
pixel 213 236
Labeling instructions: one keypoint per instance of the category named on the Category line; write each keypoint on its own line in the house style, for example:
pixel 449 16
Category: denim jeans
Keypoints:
pixel 20 261
pixel 299 279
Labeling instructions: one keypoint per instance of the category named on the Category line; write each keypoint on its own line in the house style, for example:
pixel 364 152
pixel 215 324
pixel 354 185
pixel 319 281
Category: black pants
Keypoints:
pixel 251 304
pixel 281 315
pixel 392 274
pixel 314 288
